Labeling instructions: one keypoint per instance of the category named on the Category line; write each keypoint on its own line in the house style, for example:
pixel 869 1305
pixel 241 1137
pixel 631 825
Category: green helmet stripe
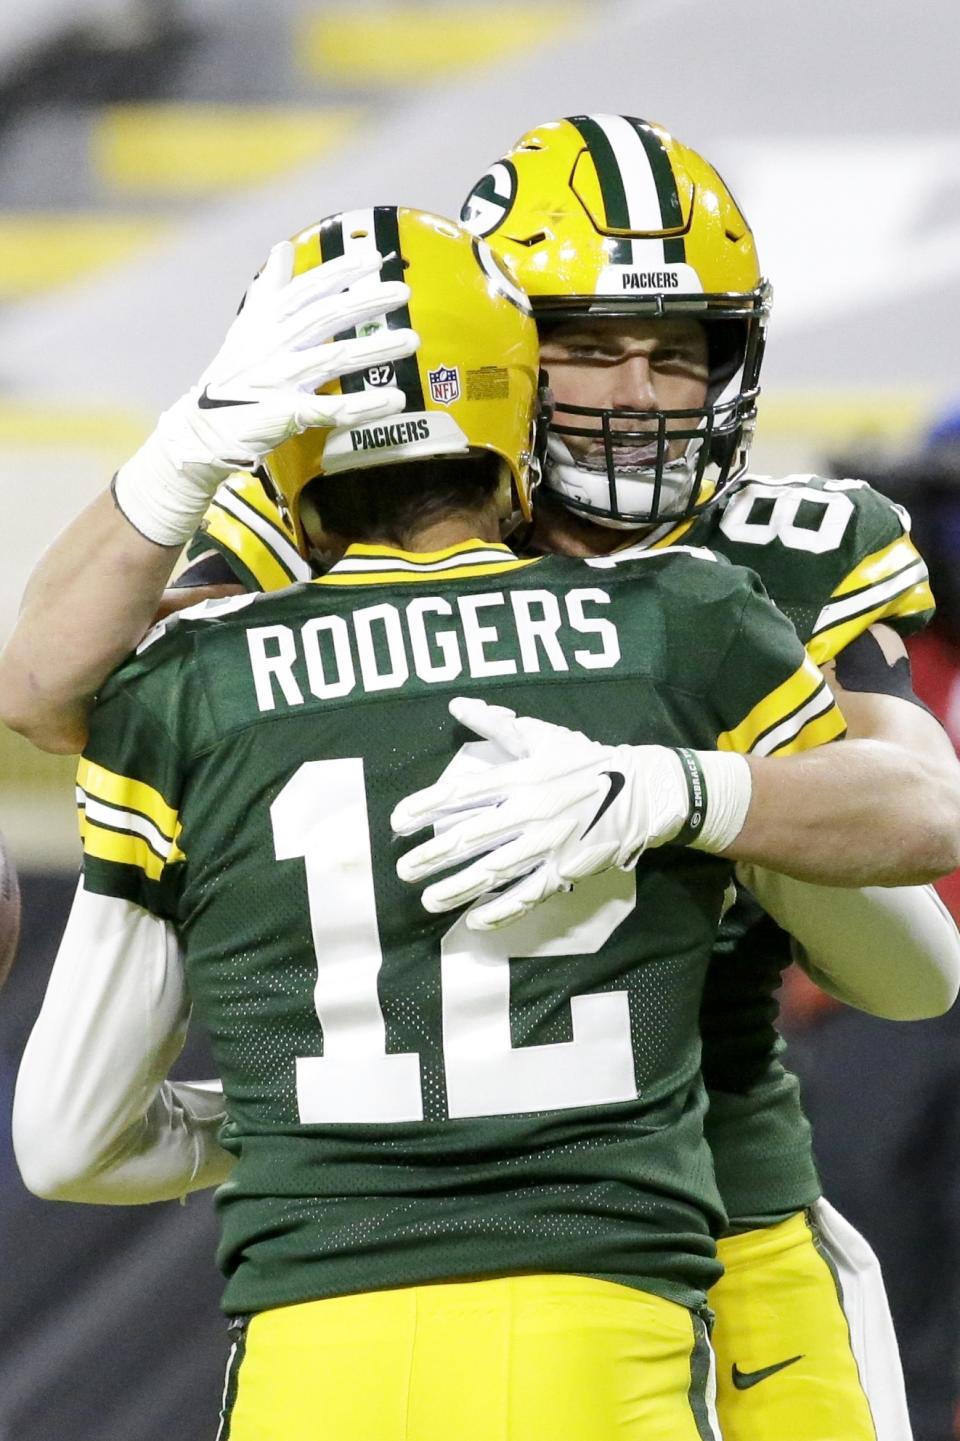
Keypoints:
pixel 331 248
pixel 611 184
pixel 331 238
pixel 386 229
pixel 700 1380
pixel 671 214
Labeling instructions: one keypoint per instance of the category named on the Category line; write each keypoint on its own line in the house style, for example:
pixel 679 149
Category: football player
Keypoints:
pixel 471 1194
pixel 653 313
pixel 393 1148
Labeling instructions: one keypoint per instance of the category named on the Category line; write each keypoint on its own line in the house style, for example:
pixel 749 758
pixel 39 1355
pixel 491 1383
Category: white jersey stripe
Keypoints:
pixel 788 729
pixel 128 822
pixel 641 552
pixel 863 600
pixel 361 564
pixel 273 539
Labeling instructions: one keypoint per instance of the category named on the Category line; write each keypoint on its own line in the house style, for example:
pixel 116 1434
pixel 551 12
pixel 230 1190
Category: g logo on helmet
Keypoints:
pixel 491 199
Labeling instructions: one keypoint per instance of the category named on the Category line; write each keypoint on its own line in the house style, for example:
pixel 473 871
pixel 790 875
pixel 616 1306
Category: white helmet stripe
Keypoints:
pixel 636 172
pixel 359 239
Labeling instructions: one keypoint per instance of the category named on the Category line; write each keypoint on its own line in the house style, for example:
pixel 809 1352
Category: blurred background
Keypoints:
pixel 150 153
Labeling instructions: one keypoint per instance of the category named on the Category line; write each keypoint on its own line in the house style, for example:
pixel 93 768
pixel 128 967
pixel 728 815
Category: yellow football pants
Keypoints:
pixel 786 1369
pixel 517 1358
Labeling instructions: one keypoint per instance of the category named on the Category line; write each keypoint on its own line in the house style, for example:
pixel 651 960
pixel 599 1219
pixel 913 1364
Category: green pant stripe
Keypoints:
pixel 700 1363
pixel 230 1383
pixel 821 1249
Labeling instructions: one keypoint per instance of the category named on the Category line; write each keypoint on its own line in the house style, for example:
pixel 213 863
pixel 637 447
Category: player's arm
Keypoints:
pixel 864 812
pixel 96 591
pixel 852 814
pixel 94 1118
pixel 893 951
pixel 892 738
pixel 87 604
pixel 207 578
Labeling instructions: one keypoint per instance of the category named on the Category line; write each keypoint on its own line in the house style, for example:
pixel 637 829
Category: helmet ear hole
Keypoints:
pixel 723 448
pixel 726 348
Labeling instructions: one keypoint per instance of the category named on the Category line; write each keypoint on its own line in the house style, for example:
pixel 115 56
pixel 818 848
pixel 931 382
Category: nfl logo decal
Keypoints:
pixel 444 384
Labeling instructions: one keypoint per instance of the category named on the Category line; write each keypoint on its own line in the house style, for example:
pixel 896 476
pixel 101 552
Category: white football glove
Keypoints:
pixel 564 808
pixel 259 389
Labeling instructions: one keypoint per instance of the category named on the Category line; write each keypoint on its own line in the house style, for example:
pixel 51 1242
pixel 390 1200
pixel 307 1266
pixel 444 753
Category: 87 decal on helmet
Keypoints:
pixel 605 216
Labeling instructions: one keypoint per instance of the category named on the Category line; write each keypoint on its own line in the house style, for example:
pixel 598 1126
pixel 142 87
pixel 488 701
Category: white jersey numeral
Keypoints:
pixel 321 816
pixel 780 506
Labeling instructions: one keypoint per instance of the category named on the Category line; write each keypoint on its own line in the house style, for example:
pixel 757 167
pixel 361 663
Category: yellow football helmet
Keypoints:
pixel 472 384
pixel 607 215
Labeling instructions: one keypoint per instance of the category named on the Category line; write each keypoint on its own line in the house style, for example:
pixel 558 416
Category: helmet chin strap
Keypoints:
pixel 588 491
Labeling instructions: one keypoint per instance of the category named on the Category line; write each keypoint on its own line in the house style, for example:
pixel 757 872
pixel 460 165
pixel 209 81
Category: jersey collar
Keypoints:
pixel 671 531
pixel 378 564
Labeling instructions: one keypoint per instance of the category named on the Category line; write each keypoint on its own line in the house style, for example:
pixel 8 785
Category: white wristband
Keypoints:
pixel 719 787
pixel 163 496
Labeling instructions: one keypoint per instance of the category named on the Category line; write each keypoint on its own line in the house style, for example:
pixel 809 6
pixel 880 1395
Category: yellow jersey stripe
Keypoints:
pixel 249 489
pixel 120 847
pixel 361 549
pixel 128 795
pixel 829 725
pixel 916 599
pixel 245 499
pixel 786 701
pixel 459 572
pixel 237 538
pixel 881 565
pixel 674 535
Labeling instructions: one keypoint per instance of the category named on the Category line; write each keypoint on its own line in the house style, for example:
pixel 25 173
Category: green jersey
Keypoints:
pixel 409 1101
pixel 835 556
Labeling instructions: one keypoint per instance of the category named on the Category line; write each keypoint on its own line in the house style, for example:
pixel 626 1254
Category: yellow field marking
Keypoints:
pixel 418 42
pixel 119 432
pixel 39 251
pixel 183 149
pixel 850 415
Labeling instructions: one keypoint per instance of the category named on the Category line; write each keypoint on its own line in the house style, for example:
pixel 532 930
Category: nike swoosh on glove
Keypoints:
pixel 259 390
pixel 563 808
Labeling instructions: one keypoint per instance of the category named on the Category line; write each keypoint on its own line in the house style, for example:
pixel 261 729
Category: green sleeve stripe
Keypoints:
pixel 129 883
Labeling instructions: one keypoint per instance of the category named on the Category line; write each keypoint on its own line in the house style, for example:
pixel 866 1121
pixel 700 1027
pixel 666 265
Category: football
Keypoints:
pixel 9 911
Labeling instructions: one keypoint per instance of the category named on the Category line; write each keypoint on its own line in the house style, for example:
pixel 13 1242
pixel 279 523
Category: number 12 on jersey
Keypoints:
pixel 320 817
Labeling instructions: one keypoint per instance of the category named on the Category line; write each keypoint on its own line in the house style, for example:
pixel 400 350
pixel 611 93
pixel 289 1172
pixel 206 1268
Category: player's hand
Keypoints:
pixel 259 390
pixel 562 808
